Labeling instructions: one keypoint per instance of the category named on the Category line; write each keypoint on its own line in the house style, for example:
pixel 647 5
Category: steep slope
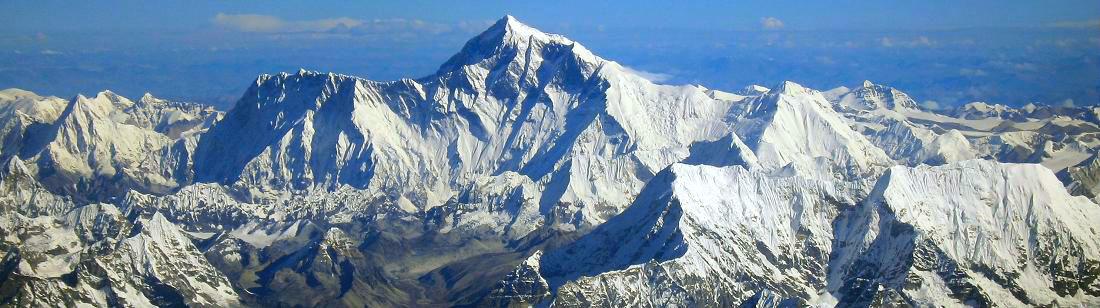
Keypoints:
pixel 163 264
pixel 25 115
pixel 21 193
pixel 88 144
pixel 40 108
pixel 528 171
pixel 880 113
pixel 1084 179
pixel 974 233
pixel 706 236
pixel 1057 138
pixel 172 119
pixel 514 99
pixel 522 286
pixel 968 233
pixel 332 272
pixel 870 97
pixel 57 254
pixel 793 125
pixel 98 148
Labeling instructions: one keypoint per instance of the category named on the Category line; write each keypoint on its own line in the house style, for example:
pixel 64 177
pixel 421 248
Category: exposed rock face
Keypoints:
pixel 96 255
pixel 974 232
pixel 528 171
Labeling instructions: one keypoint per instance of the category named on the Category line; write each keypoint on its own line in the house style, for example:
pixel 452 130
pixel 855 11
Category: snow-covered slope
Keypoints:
pixel 173 119
pixel 982 110
pixel 101 147
pixel 794 125
pixel 25 115
pixel 707 236
pixel 514 99
pixel 1055 137
pixel 975 233
pixel 1084 178
pixel 880 113
pixel 872 96
pixel 87 143
pixel 529 171
pixel 57 254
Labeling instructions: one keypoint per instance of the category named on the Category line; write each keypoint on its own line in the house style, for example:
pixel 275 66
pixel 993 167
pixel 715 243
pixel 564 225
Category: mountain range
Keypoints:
pixel 528 171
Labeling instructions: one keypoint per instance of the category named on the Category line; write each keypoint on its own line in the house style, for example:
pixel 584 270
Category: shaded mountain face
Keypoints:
pixel 529 171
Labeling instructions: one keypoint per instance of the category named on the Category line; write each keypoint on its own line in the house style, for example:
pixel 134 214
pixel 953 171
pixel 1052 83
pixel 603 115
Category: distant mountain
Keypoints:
pixel 529 171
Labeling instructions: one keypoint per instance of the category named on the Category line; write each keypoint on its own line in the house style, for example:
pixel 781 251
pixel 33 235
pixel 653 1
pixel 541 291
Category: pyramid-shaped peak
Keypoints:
pixel 148 98
pixel 513 27
pixel 509 20
pixel 509 36
pixel 509 31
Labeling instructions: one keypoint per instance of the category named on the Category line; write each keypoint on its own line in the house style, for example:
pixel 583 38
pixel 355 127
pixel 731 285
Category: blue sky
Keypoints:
pixel 943 52
pixel 92 16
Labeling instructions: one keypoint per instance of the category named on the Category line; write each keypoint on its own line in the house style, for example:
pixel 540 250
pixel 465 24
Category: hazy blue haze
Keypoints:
pixel 1010 52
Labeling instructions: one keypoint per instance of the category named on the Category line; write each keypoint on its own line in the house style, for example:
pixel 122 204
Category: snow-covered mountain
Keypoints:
pixel 529 171
pixel 976 232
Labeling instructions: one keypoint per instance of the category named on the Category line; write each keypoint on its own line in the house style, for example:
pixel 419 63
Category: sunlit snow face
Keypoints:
pixel 206 61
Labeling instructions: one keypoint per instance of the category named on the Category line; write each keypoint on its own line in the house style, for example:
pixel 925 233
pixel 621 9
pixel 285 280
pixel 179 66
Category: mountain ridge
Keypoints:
pixel 529 171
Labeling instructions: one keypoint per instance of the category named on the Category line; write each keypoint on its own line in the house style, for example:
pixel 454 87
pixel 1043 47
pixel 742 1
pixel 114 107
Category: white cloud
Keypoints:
pixel 651 76
pixel 923 41
pixel 51 52
pixel 920 41
pixel 1068 103
pixel 249 22
pixel 1092 23
pixel 930 104
pixel 886 42
pixel 771 23
pixel 401 24
pixel 1065 43
pixel 475 26
pixel 330 24
pixel 972 72
pixel 825 60
pixel 1025 67
pixel 275 24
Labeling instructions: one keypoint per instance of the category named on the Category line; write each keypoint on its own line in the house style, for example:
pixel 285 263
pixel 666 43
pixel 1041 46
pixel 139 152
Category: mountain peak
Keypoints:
pixel 15 93
pixel 790 87
pixel 149 99
pixel 510 21
pixel 14 167
pixel 872 96
pixel 752 90
pixel 512 27
pixel 97 104
pixel 508 39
